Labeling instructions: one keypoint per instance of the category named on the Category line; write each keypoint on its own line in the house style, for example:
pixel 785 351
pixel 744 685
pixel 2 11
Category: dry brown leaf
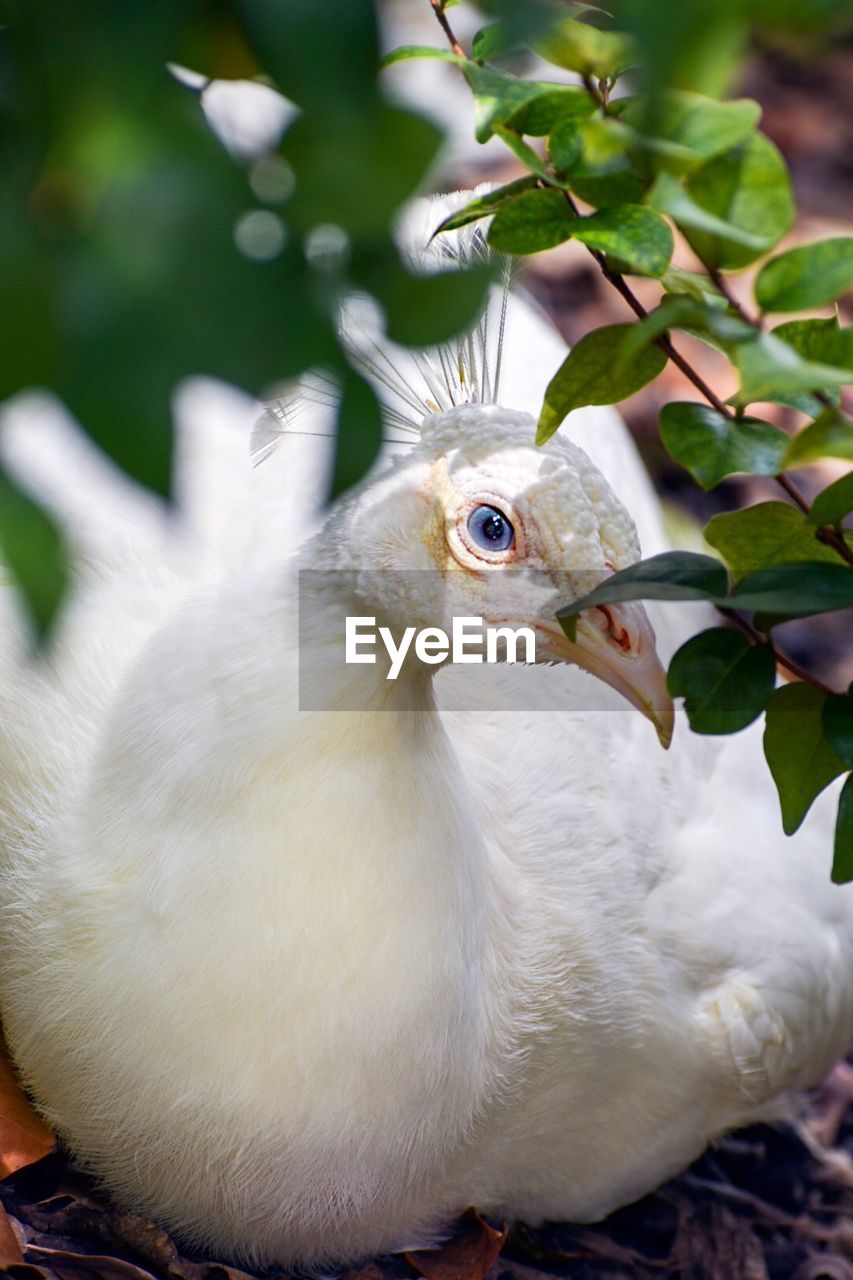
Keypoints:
pixel 370 1272
pixel 23 1137
pixel 467 1257
pixel 10 1245
pixel 824 1266
pixel 94 1264
pixel 716 1246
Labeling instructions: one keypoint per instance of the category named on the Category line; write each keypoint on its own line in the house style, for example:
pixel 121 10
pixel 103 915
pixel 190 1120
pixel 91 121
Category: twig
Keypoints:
pixel 438 10
pixel 721 285
pixel 782 658
pixel 589 85
pixel 827 534
pixel 801 1225
pixel 620 284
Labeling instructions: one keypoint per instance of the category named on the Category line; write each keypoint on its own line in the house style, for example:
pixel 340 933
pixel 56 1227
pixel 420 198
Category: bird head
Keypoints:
pixel 477 521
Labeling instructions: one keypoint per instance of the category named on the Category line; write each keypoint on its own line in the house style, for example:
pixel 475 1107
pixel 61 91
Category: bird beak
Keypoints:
pixel 616 643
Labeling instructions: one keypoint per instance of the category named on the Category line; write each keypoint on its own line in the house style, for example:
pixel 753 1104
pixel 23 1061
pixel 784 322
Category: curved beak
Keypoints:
pixel 616 643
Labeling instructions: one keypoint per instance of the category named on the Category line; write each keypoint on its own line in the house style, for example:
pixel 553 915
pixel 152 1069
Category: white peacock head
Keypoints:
pixel 475 519
pixel 478 521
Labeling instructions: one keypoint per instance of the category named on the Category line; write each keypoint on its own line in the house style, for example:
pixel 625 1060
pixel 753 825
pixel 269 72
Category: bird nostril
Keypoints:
pixel 616 630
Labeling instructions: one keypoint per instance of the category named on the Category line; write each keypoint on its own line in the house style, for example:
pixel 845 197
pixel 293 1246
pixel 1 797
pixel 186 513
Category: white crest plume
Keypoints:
pixel 410 383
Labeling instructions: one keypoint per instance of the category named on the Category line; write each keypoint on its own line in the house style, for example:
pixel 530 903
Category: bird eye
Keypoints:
pixel 490 529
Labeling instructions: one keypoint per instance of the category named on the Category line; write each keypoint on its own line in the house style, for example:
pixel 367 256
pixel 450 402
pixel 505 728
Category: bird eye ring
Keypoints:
pixel 490 529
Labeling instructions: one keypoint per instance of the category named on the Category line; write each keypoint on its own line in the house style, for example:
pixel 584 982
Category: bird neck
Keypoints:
pixel 327 681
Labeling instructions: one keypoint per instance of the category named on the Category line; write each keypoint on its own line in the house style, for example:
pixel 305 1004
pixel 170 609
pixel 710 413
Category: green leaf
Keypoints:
pixel 591 374
pixel 604 149
pixel 712 446
pixel 749 188
pixel 425 310
pixel 526 155
pixel 772 370
pixel 789 590
pixel 801 760
pixel 672 575
pixel 555 102
pixel 806 277
pixel 485 205
pixel 533 221
pixel 377 158
pixel 697 318
pixel 406 51
pixel 640 239
pixel 33 550
pixel 294 40
pixel 564 144
pixel 499 96
pixel 692 284
pixel 769 533
pixel 600 190
pixel 833 503
pixel 493 40
pixel 819 340
pixel 838 725
pixel 725 681
pixel 690 128
pixel 576 46
pixel 359 432
pixel 668 196
pixel 696 45
pixel 842 862
pixel 830 436
pixel 795 590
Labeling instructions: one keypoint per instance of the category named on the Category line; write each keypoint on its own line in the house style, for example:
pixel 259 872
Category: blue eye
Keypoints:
pixel 490 529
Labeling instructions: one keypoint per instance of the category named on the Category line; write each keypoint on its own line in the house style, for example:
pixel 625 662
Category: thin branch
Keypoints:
pixel 620 284
pixel 793 493
pixel 438 10
pixel 721 284
pixel 589 85
pixel 782 658
pixel 826 533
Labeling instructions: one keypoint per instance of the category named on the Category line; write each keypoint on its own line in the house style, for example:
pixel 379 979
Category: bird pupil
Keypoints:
pixel 490 528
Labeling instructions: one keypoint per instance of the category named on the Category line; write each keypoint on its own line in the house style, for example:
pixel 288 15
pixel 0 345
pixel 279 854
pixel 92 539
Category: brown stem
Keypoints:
pixel 622 287
pixel 438 10
pixel 826 533
pixel 793 493
pixel 830 537
pixel 719 282
pixel 589 85
pixel 781 657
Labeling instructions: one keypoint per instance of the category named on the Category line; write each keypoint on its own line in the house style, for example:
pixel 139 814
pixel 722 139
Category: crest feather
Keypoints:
pixel 411 383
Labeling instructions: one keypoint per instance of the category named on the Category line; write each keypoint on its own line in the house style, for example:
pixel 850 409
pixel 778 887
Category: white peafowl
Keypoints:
pixel 303 984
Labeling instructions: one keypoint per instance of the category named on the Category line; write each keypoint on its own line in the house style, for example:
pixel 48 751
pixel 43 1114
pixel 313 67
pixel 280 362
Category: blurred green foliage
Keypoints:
pixel 131 257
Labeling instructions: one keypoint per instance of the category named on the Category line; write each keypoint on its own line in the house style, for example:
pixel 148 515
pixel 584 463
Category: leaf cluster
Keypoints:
pixel 646 152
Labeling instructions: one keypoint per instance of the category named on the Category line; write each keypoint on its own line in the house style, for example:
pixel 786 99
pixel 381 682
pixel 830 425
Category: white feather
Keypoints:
pixel 305 984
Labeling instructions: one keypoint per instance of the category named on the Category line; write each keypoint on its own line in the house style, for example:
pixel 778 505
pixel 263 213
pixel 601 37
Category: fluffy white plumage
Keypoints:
pixel 305 984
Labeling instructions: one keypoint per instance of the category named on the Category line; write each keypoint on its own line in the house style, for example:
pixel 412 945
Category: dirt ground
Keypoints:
pixel 757 1206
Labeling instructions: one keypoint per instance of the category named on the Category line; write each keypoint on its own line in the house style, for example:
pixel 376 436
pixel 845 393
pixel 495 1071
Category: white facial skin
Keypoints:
pixel 568 532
